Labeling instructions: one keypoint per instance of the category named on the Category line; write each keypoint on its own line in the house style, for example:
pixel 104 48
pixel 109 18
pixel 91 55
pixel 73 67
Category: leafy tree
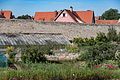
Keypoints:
pixel 118 37
pixel 96 50
pixel 84 41
pixel 78 41
pixel 89 41
pixel 111 14
pixel 112 34
pixel 24 17
pixel 97 54
pixel 101 37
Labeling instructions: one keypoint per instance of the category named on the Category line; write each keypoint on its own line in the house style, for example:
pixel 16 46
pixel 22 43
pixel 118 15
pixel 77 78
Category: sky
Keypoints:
pixel 22 7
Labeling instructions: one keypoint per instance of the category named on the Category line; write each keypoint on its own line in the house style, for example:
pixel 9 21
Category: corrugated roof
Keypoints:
pixel 32 39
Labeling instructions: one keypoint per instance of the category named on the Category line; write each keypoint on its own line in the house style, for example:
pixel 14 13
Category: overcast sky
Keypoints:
pixel 19 7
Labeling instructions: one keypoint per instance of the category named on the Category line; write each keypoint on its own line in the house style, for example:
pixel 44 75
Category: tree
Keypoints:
pixel 97 54
pixel 101 37
pixel 118 40
pixel 84 41
pixel 111 14
pixel 112 34
pixel 79 41
pixel 24 17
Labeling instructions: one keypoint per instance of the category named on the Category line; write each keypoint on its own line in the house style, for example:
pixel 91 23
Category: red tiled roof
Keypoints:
pixel 106 21
pixel 47 16
pixel 84 16
pixel 6 14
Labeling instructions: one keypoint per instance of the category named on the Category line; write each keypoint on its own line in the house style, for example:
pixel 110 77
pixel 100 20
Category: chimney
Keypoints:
pixel 56 12
pixel 71 8
pixel 2 12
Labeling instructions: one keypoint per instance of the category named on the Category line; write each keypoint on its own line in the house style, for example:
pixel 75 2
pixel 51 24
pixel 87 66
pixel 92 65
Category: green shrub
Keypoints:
pixel 101 37
pixel 117 57
pixel 97 54
pixel 118 40
pixel 79 41
pixel 35 54
pixel 72 48
pixel 84 41
pixel 112 34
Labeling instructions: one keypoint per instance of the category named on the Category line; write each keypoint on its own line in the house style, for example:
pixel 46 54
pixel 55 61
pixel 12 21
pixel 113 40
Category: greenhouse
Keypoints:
pixel 32 39
pixel 20 41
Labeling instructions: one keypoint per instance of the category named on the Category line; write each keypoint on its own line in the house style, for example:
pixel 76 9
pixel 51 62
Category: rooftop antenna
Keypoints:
pixel 56 12
pixel 1 11
pixel 71 8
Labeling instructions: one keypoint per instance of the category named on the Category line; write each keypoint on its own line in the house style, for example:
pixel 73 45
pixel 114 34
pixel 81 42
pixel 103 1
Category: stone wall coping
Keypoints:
pixel 54 23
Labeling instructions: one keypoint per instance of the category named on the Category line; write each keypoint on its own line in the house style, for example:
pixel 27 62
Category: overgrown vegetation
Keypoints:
pixel 35 54
pixel 72 48
pixel 65 71
pixel 96 50
pixel 99 53
pixel 10 52
pixel 99 60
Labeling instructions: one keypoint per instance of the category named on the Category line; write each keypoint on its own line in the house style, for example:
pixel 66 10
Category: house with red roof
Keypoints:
pixel 107 22
pixel 65 15
pixel 6 14
pixel 98 20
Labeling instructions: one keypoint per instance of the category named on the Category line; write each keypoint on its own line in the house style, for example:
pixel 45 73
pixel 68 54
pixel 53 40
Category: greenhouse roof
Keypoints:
pixel 32 39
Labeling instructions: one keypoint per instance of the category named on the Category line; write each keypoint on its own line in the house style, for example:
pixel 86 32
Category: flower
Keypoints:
pixel 110 66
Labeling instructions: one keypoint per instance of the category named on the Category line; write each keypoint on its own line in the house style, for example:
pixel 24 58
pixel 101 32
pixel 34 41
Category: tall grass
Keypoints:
pixel 52 71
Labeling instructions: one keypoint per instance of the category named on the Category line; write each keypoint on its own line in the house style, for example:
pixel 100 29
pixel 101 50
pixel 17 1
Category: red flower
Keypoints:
pixel 110 66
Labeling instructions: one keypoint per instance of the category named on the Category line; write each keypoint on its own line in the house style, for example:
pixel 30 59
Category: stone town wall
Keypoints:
pixel 69 30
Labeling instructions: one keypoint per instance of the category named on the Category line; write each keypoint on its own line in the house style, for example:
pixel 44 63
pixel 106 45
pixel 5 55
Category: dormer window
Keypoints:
pixel 64 14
